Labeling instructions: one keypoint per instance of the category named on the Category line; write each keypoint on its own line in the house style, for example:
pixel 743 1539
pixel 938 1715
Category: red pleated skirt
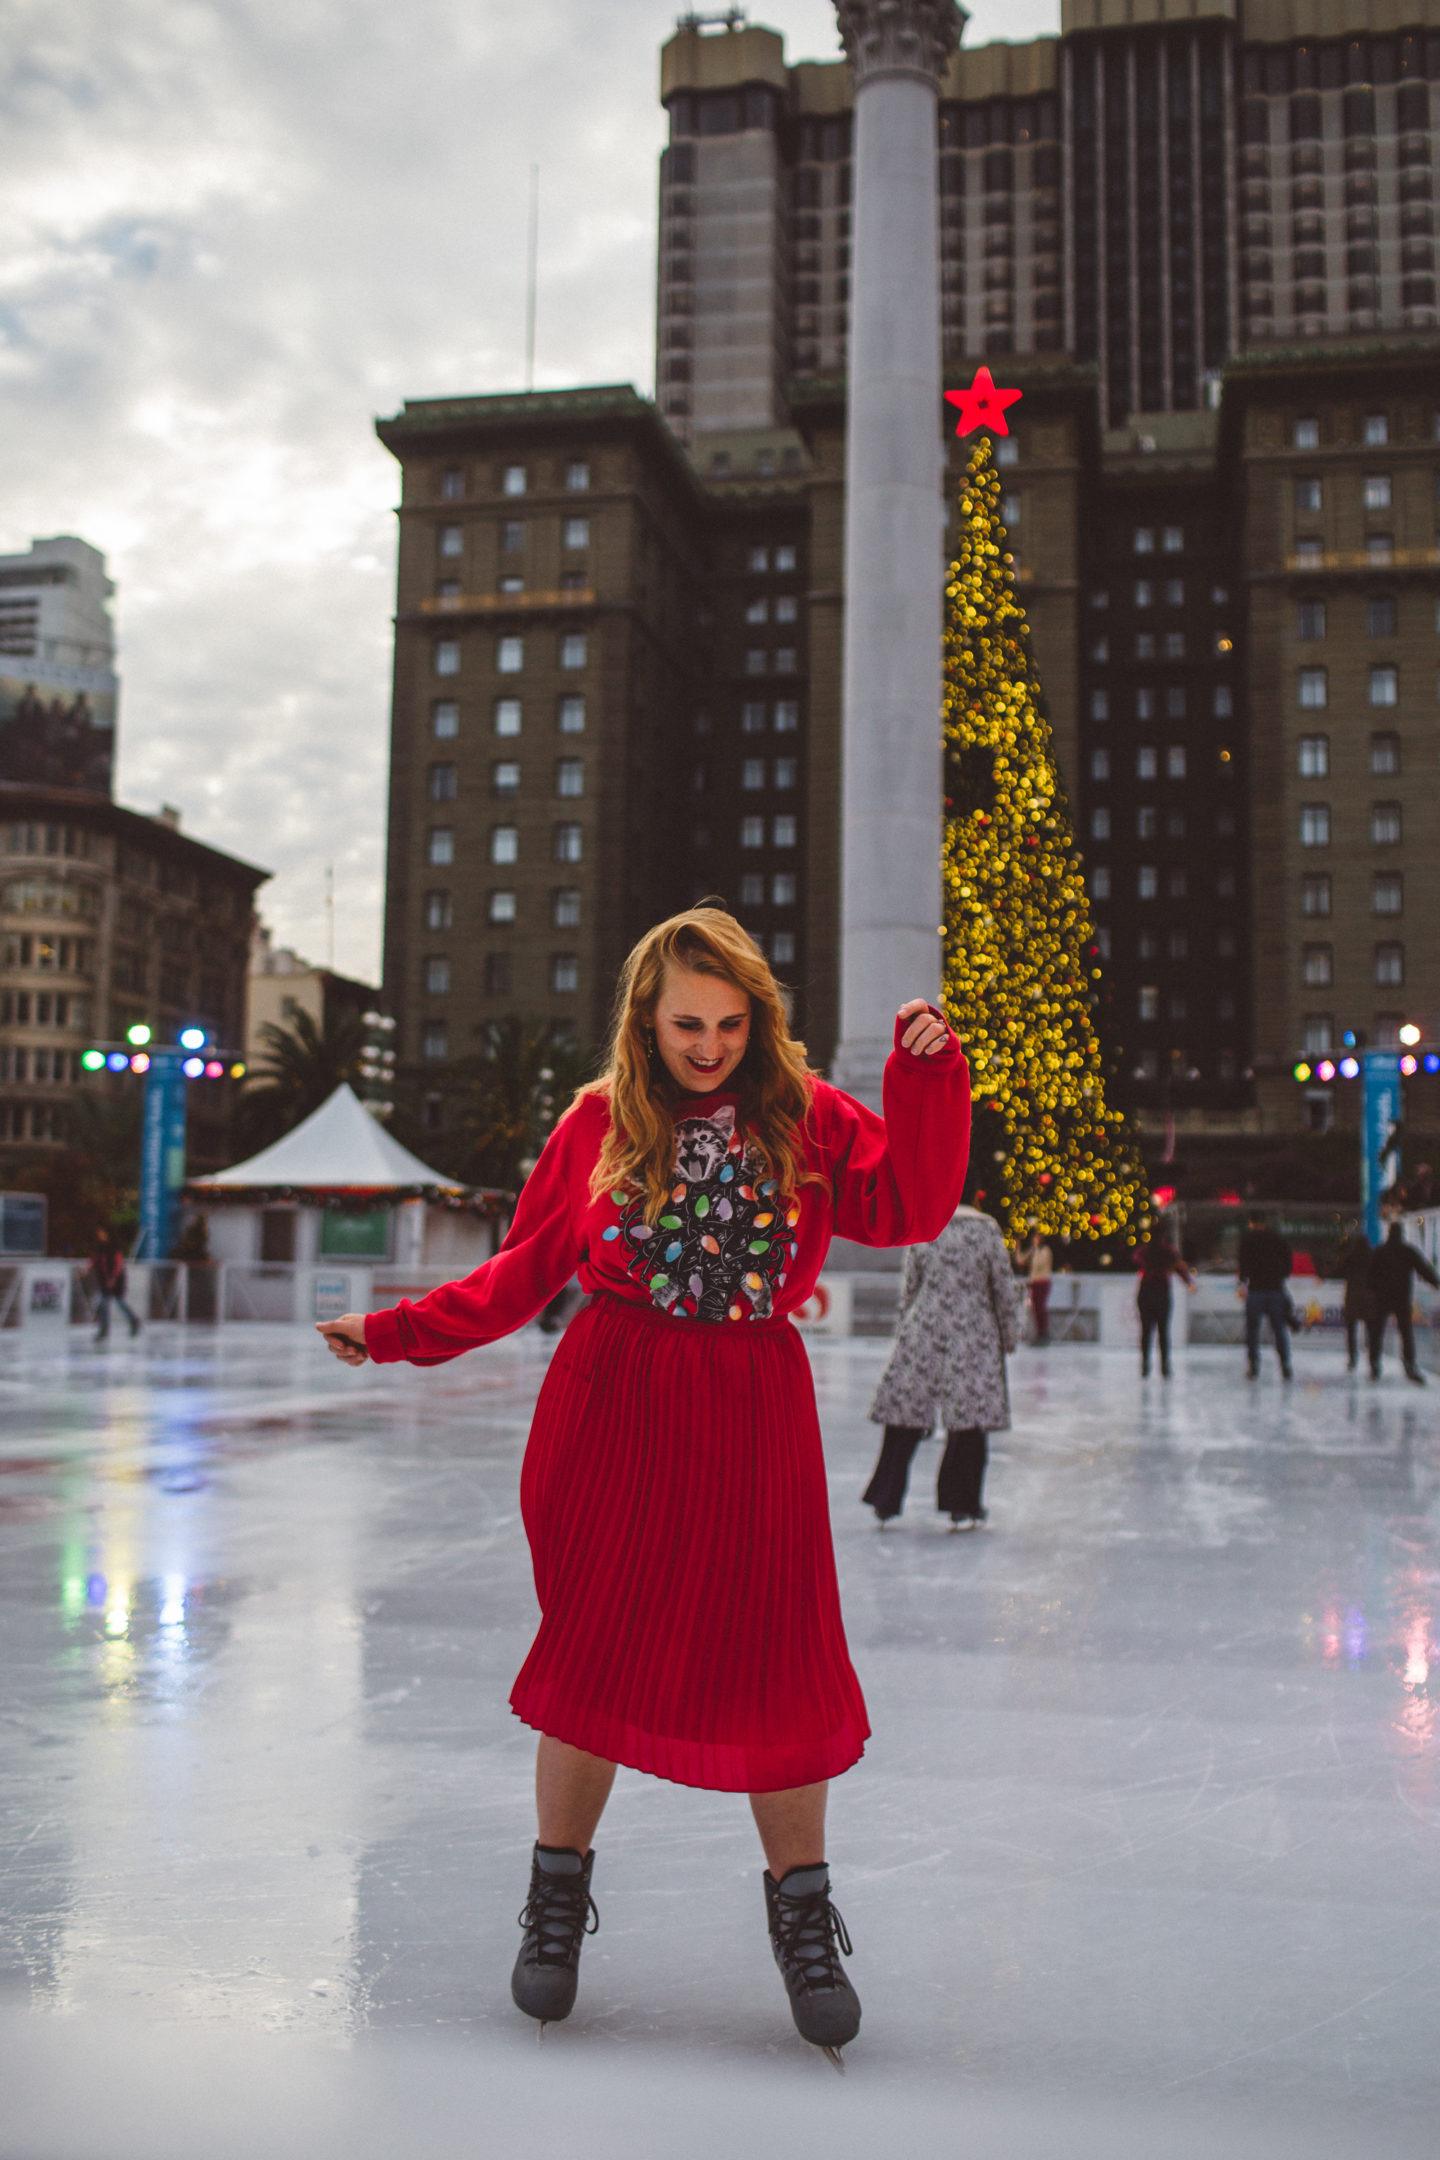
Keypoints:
pixel 675 1501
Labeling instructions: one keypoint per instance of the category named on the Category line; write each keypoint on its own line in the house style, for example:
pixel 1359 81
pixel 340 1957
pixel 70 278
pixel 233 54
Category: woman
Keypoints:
pixel 673 1490
pixel 1035 1260
pixel 1157 1261
pixel 957 1322
pixel 108 1279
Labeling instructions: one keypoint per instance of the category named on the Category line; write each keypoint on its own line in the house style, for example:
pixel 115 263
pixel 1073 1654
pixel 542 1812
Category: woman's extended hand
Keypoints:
pixel 925 1034
pixel 346 1337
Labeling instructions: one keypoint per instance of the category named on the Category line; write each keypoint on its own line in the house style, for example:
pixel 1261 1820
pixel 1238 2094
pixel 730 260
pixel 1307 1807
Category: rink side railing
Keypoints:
pixel 1090 1308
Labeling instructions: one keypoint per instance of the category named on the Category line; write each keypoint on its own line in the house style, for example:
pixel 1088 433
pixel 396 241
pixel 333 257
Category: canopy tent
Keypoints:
pixel 339 1150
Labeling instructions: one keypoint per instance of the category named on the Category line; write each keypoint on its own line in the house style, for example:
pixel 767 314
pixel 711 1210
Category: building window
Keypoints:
pixel 1376 430
pixel 787 716
pixel 1385 822
pixel 1173 540
pixel 500 907
pixel 1315 894
pixel 1099 705
pixel 1145 645
pixel 1144 593
pixel 439 911
pixel 504 844
pixel 505 777
pixel 1175 592
pixel 752 832
pixel 787 608
pixel 1147 882
pixel 1318 1032
pixel 1175 761
pixel 784 558
pixel 786 772
pixel 1385 754
pixel 570 715
pixel 1149 1002
pixel 1146 762
pixel 510 655
pixel 1305 435
pixel 1100 823
pixel 573 649
pixel 499 974
pixel 783 889
pixel 1380 547
pixel 752 890
pixel 567 843
pixel 514 480
pixel 1100 882
pixel 1144 540
pixel 1387 893
pixel 755 660
pixel 507 716
pixel 1007 450
pixel 758 560
pixel 782 948
pixel 447 656
pixel 783 831
pixel 452 484
pixel 1147 822
pixel 1315 825
pixel 1223 702
pixel 1099 764
pixel 444 719
pixel 785 660
pixel 437 976
pixel 752 774
pixel 1310 619
pixel 1308 554
pixel 452 540
pixel 577 476
pixel 564 972
pixel 1010 504
pixel 444 783
pixel 1314 757
pixel 576 532
pixel 1390 965
pixel 1175 702
pixel 441 847
pixel 565 907
pixel 1314 689
pixel 1380 616
pixel 1377 491
pixel 570 776
pixel 435 1041
pixel 1174 645
pixel 758 611
pixel 1309 496
pixel 1317 966
pixel 752 718
pixel 512 536
pixel 1384 686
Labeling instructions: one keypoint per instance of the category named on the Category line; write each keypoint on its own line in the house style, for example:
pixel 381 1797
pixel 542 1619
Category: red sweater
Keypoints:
pixel 721 1249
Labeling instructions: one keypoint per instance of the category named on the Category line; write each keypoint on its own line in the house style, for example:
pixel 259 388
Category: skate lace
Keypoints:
pixel 557 1913
pixel 808 1932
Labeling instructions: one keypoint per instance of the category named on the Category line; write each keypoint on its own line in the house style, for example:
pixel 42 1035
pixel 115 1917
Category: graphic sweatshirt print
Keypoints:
pixel 726 1247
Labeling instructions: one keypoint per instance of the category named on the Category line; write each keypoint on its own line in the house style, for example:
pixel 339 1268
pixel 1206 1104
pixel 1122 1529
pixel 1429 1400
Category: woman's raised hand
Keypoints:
pixel 926 1034
pixel 346 1337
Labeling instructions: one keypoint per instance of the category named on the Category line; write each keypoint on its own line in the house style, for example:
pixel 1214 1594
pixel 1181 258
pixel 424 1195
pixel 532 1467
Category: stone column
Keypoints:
pixel 891 780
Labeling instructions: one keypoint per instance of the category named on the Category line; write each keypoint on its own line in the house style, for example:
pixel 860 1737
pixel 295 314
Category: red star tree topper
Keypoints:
pixel 982 405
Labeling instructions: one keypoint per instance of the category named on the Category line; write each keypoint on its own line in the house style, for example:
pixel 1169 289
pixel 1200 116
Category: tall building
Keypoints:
pixel 58 686
pixel 109 918
pixel 1224 511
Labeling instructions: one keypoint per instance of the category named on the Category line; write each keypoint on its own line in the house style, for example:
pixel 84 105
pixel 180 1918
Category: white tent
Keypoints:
pixel 339 1148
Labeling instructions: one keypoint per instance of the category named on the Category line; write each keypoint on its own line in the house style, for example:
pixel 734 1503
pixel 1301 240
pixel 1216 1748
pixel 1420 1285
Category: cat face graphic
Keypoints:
pixel 702 1143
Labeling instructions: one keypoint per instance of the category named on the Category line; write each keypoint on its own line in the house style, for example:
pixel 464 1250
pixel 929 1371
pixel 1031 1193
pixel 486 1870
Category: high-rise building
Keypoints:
pixel 58 687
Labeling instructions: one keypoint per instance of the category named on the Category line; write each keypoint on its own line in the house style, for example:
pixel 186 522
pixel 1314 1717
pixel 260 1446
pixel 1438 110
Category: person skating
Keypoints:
pixel 673 1489
pixel 1264 1270
pixel 1394 1266
pixel 957 1321
pixel 1157 1260
pixel 1035 1261
pixel 108 1275
pixel 1353 1266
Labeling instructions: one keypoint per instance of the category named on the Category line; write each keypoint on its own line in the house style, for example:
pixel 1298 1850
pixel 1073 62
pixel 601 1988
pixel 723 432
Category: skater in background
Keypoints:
pixel 673 1488
pixel 1035 1261
pixel 1157 1260
pixel 1394 1266
pixel 1353 1267
pixel 957 1322
pixel 1264 1271
pixel 108 1278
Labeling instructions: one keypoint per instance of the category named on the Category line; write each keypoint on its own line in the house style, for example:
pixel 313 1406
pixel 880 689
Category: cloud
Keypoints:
pixel 231 233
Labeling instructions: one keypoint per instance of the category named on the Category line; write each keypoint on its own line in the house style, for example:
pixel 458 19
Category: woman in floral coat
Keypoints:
pixel 957 1321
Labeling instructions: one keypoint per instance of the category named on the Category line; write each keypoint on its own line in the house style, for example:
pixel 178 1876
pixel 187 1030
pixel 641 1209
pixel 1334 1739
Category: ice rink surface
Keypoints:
pixel 1150 1822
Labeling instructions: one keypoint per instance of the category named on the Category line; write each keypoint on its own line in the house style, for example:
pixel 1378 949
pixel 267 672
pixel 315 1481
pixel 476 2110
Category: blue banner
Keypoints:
pixel 1379 1131
pixel 162 1153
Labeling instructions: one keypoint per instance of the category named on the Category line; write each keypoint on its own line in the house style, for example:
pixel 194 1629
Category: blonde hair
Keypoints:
pixel 772 1078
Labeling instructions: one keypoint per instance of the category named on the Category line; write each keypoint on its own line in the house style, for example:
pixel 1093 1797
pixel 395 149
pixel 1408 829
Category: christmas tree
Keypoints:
pixel 1021 969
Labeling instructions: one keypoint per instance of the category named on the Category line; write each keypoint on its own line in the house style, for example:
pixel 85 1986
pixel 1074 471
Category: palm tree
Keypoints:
pixel 497 1107
pixel 300 1068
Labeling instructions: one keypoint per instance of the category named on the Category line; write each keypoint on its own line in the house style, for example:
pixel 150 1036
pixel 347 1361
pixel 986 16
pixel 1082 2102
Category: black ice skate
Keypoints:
pixel 558 1914
pixel 807 1936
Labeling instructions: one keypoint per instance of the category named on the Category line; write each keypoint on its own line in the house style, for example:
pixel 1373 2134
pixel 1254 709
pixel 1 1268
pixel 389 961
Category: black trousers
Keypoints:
pixel 1154 1321
pixel 1404 1321
pixel 962 1470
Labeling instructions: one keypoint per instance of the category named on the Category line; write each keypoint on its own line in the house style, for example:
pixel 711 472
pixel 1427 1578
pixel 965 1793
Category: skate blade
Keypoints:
pixel 834 2057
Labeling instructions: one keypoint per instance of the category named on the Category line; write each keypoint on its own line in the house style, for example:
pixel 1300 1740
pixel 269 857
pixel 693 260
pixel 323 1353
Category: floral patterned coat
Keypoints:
pixel 957 1321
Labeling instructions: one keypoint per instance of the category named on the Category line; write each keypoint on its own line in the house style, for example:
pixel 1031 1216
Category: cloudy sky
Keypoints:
pixel 231 233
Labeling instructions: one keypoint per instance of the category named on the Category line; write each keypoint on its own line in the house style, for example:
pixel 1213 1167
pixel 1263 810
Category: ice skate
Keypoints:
pixel 558 1914
pixel 807 1936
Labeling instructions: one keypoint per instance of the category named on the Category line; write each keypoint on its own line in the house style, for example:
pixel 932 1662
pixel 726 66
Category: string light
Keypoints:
pixel 1020 960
